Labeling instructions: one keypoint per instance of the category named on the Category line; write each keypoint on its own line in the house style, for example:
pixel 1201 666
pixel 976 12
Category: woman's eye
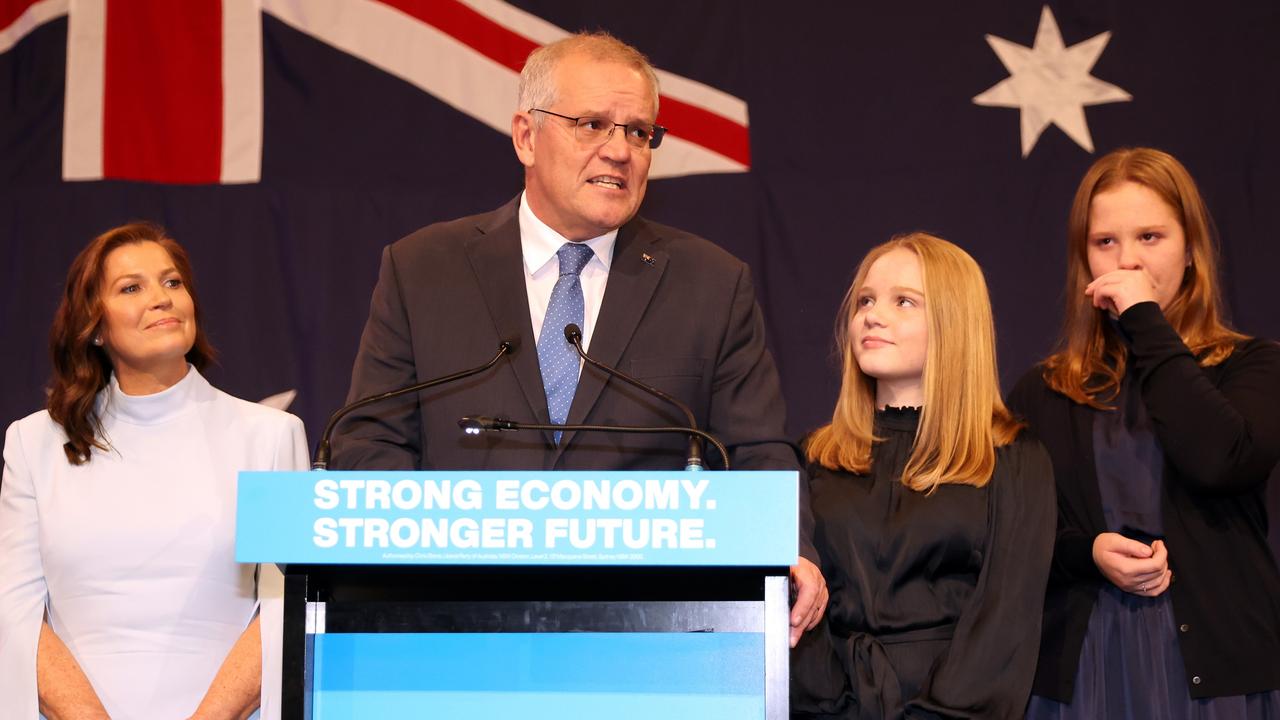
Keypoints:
pixel 173 283
pixel 130 289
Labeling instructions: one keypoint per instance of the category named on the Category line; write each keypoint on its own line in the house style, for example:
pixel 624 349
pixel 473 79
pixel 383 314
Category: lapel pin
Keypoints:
pixel 647 258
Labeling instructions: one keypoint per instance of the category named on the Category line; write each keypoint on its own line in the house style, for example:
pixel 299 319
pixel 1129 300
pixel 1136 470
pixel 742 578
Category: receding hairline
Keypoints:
pixel 537 77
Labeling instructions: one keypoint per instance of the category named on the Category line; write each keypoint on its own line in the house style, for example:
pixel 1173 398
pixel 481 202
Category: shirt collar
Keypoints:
pixel 539 243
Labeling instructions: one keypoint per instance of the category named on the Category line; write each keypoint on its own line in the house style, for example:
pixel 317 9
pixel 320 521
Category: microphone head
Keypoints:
pixel 509 346
pixel 573 334
pixel 476 424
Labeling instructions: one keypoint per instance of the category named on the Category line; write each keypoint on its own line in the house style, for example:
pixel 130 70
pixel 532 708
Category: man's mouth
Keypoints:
pixel 613 183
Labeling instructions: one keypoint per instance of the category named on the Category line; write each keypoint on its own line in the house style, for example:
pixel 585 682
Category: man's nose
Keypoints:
pixel 615 146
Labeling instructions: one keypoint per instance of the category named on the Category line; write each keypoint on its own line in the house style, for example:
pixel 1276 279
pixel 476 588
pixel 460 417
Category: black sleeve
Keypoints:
pixel 986 671
pixel 1073 543
pixel 1222 437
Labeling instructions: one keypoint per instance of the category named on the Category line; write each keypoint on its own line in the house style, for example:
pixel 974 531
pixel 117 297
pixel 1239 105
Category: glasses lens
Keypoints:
pixel 589 130
pixel 638 135
pixel 656 138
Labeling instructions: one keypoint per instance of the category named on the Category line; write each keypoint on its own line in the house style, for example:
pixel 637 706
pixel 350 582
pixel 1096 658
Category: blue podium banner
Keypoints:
pixel 588 518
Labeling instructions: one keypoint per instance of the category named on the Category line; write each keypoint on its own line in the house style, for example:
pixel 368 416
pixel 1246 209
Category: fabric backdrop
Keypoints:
pixel 284 142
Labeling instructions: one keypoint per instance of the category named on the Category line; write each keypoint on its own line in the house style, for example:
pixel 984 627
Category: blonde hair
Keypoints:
pixel 1090 360
pixel 537 78
pixel 963 419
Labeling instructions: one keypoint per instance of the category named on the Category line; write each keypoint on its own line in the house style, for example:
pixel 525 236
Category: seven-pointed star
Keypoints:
pixel 1050 83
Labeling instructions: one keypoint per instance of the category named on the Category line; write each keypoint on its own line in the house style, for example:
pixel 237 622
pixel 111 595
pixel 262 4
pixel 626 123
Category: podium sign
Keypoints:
pixel 528 594
pixel 518 518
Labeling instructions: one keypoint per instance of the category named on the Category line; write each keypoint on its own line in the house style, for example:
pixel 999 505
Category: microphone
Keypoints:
pixel 476 424
pixel 573 334
pixel 321 462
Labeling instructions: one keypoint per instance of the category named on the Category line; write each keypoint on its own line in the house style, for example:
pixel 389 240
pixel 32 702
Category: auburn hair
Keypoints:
pixel 80 368
pixel 1090 359
pixel 964 418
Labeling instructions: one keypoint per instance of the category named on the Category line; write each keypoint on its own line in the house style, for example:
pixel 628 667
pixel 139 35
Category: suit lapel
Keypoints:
pixel 498 263
pixel 634 273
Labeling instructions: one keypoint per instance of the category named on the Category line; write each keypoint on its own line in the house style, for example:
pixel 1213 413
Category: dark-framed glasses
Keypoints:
pixel 598 130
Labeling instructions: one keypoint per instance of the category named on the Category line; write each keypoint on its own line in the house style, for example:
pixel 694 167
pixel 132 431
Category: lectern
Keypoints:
pixel 528 594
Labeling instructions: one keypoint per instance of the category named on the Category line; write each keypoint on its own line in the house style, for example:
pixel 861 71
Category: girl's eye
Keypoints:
pixel 1150 237
pixel 1104 241
pixel 865 301
pixel 906 301
pixel 173 283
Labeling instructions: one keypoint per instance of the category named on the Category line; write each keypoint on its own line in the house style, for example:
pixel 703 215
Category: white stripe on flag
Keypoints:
pixel 86 75
pixel 241 91
pixel 33 17
pixel 411 50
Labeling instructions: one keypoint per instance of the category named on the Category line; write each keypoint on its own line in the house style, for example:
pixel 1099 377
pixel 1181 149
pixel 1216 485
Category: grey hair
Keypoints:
pixel 537 79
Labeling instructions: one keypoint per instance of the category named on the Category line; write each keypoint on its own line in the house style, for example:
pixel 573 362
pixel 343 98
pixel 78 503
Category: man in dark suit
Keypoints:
pixel 662 305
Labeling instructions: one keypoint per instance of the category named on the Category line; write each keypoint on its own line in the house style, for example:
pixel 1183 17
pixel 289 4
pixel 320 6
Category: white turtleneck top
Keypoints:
pixel 132 553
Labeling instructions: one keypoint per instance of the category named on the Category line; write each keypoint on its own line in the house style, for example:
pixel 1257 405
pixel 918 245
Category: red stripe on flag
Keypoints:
pixel 705 128
pixel 510 49
pixel 471 28
pixel 11 10
pixel 162 97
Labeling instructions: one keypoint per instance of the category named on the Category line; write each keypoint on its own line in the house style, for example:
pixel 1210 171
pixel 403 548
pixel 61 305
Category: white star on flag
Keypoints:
pixel 1050 83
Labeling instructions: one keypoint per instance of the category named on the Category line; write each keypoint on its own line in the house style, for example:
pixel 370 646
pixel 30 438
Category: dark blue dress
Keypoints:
pixel 1130 664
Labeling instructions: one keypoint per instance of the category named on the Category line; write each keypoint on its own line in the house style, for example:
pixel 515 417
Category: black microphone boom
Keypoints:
pixel 476 424
pixel 573 334
pixel 321 461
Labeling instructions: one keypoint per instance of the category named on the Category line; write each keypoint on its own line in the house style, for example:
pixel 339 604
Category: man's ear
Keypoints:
pixel 522 134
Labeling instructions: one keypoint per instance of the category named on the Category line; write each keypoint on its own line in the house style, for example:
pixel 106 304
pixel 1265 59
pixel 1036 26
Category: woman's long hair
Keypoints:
pixel 1090 360
pixel 964 418
pixel 80 368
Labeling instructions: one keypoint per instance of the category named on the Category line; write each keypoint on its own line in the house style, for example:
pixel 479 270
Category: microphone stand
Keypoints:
pixel 573 334
pixel 476 424
pixel 321 461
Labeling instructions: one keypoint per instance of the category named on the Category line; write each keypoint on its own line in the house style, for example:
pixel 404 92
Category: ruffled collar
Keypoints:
pixel 156 408
pixel 898 418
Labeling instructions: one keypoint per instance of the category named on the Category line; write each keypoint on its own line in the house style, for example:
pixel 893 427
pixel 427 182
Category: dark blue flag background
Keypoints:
pixel 862 125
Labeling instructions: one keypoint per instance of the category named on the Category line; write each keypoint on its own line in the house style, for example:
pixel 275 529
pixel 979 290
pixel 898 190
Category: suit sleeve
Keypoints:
pixel 1221 438
pixel 747 411
pixel 987 669
pixel 387 435
pixel 22 581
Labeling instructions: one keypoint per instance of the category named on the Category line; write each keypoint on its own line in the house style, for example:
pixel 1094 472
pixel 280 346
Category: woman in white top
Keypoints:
pixel 119 592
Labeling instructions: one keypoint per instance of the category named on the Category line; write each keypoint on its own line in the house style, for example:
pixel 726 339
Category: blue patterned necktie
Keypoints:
pixel 556 357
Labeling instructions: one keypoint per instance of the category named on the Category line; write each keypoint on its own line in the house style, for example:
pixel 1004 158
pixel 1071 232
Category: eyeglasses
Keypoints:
pixel 597 131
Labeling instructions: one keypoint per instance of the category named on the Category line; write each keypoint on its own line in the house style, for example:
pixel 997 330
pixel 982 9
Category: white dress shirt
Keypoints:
pixel 539 245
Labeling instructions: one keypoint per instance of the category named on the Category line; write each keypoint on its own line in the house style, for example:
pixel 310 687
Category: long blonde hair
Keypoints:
pixel 1090 360
pixel 963 419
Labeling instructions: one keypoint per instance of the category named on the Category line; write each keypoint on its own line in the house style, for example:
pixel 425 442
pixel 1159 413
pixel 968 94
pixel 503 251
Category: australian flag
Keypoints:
pixel 284 142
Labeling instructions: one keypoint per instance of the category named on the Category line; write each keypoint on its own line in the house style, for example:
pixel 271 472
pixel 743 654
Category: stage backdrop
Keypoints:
pixel 285 142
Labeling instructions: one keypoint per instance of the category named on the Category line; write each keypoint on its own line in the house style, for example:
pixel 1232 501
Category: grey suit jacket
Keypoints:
pixel 678 313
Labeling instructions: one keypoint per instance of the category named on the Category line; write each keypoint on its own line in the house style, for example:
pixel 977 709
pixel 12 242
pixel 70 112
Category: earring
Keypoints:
pixel 97 340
